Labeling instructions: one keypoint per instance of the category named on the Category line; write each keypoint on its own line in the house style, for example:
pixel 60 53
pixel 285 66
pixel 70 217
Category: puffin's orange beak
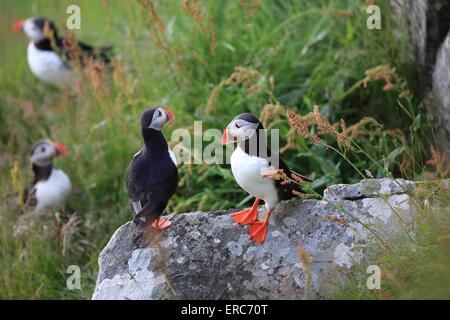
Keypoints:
pixel 17 25
pixel 225 137
pixel 170 116
pixel 61 150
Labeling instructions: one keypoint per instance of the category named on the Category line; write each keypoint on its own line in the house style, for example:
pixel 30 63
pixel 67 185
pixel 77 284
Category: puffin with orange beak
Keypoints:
pixel 152 176
pixel 50 57
pixel 51 186
pixel 249 161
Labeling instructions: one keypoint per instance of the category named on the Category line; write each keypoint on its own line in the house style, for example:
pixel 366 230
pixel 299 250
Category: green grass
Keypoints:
pixel 313 52
pixel 417 263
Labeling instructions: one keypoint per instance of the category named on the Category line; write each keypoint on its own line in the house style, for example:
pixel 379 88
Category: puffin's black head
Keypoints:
pixel 155 118
pixel 44 150
pixel 240 128
pixel 36 29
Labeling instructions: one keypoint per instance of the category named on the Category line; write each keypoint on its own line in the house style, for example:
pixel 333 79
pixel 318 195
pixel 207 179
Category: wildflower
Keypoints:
pixel 192 8
pixel 443 238
pixel 242 75
pixel 437 158
pixel 340 220
pixel 404 93
pixel 322 123
pixel 66 229
pixel 300 124
pixel 272 173
pixel 383 294
pixel 248 77
pixel 390 77
pixel 150 6
pixel 303 125
pixel 298 193
pixel 251 7
pixel 381 72
pixel 438 161
pixel 316 139
pixel 297 178
pixel 342 137
pixel 389 85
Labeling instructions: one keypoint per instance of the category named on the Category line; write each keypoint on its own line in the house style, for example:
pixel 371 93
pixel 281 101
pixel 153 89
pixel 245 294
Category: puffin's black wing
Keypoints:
pixel 149 189
pixel 102 54
pixel 285 191
pixel 82 51
pixel 29 196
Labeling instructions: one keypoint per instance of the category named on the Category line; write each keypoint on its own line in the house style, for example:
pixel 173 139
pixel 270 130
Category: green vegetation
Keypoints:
pixel 207 63
pixel 416 264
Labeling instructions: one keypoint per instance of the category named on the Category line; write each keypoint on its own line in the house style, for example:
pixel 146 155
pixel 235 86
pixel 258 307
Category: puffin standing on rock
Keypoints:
pixel 249 161
pixel 152 176
pixel 49 56
pixel 51 186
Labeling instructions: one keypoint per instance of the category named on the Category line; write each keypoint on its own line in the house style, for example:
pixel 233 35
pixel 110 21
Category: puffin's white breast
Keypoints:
pixel 172 157
pixel 49 67
pixel 247 171
pixel 53 192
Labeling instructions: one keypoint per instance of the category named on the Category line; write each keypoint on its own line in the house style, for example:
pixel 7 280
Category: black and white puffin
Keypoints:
pixel 49 56
pixel 152 176
pixel 51 186
pixel 249 161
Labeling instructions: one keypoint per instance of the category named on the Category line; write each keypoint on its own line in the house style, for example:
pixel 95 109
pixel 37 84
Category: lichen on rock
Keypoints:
pixel 205 255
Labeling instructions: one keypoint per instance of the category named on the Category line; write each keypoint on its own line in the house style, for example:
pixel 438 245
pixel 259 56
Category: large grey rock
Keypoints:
pixel 204 255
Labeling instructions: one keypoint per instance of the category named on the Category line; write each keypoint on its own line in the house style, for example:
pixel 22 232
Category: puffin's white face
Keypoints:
pixel 32 31
pixel 43 152
pixel 159 118
pixel 238 130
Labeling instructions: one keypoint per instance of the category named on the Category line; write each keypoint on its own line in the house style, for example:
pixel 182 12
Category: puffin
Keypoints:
pixel 49 56
pixel 51 187
pixel 249 161
pixel 152 176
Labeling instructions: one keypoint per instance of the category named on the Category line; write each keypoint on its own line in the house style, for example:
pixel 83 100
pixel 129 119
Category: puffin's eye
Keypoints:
pixel 159 113
pixel 43 149
pixel 237 126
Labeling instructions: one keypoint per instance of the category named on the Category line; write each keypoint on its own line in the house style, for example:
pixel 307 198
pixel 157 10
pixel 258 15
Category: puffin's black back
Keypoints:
pixel 41 22
pixel 146 119
pixel 100 54
pixel 152 177
pixel 263 151
pixel 249 117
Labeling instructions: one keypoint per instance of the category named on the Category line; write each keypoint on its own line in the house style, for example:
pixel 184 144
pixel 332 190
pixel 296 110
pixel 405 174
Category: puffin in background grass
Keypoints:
pixel 249 161
pixel 152 176
pixel 51 186
pixel 50 56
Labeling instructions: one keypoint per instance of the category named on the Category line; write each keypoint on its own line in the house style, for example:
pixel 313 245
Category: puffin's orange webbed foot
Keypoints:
pixel 258 229
pixel 247 216
pixel 161 224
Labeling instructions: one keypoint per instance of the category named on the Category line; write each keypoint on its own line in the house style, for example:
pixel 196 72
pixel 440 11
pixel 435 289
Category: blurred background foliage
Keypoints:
pixel 208 61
